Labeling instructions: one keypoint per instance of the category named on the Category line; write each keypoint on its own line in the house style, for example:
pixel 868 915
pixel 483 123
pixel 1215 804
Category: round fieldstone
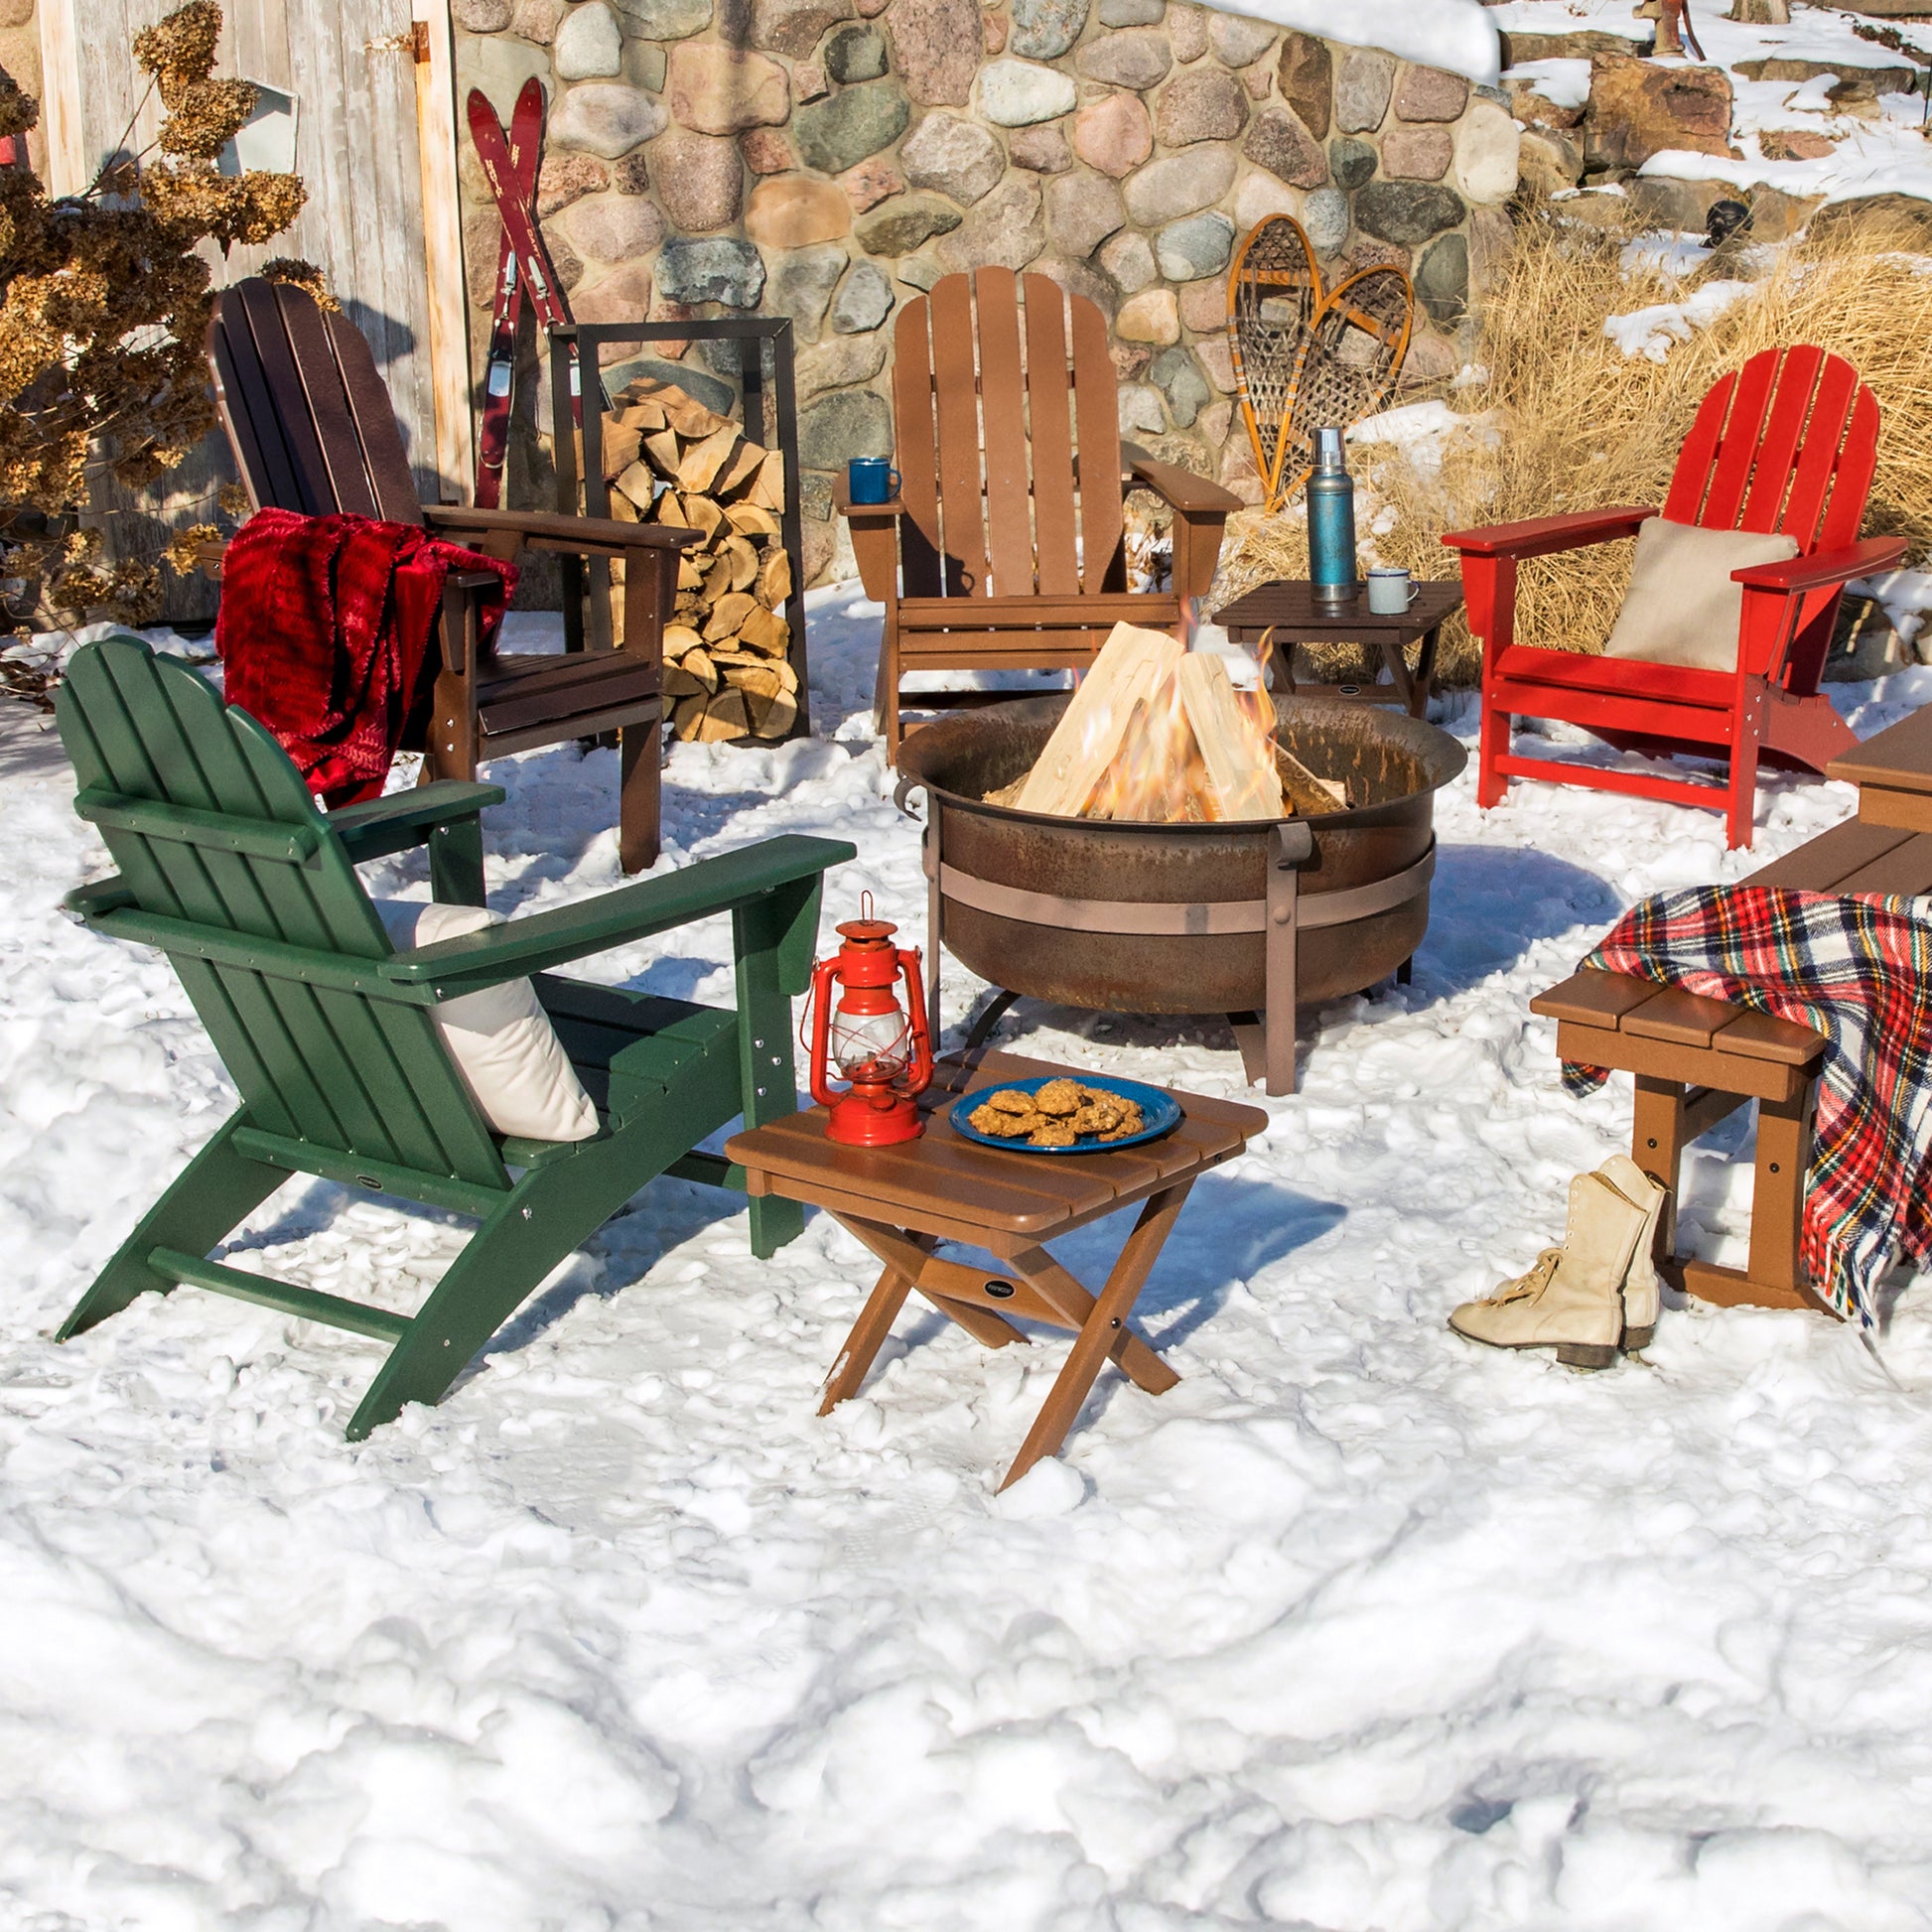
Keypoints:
pixel 622 296
pixel 1260 194
pixel 473 16
pixel 589 44
pixel 1279 143
pixel 936 44
pixel 1139 59
pixel 919 273
pixel 794 211
pixel 1205 306
pixel 957 157
pixel 808 81
pixel 908 224
pixel 664 19
pixel 537 20
pixel 616 228
pixel 856 52
pixel 700 180
pixel 1489 153
pixel 1082 211
pixel 801 286
pixel 1363 82
pixel 1042 30
pixel 1005 230
pixel 1187 33
pixel 839 363
pixel 1325 220
pixel 1304 78
pixel 1164 190
pixel 1150 317
pixel 1416 153
pixel 1238 41
pixel 836 134
pixel 1406 212
pixel 1202 105
pixel 1442 280
pixel 605 118
pixel 1113 134
pixel 565 178
pixel 1129 259
pixel 865 301
pixel 1132 13
pixel 1430 94
pixel 1043 148
pixel 833 429
pixel 1198 245
pixel 717 90
pixel 765 151
pixel 875 180
pixel 1353 163
pixel 1016 93
pixel 719 268
pixel 1139 408
pixel 1177 376
pixel 794 27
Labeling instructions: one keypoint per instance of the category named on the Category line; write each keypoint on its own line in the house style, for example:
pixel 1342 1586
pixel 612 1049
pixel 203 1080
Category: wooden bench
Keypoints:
pixel 1697 1060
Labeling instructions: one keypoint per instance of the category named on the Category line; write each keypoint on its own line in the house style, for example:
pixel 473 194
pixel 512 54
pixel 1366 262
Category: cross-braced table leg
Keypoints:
pixel 1037 1288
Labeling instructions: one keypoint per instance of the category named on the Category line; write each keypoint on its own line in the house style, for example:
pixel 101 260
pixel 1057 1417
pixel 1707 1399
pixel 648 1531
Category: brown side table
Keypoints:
pixel 1893 770
pixel 902 1201
pixel 1277 617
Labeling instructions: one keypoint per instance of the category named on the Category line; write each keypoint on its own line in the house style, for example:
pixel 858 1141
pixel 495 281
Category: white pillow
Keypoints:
pixel 501 1038
pixel 1681 606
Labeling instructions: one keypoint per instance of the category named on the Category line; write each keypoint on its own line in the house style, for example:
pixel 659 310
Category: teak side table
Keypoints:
pixel 1277 617
pixel 902 1201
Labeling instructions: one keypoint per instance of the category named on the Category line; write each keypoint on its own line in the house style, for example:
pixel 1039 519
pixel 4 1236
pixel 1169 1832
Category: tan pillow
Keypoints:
pixel 1681 606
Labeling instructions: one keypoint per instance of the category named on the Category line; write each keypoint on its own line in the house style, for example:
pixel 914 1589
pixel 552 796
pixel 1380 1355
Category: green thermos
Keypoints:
pixel 1332 522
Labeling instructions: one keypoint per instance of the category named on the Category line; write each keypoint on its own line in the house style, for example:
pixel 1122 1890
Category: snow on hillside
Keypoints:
pixel 1358 1628
pixel 1458 35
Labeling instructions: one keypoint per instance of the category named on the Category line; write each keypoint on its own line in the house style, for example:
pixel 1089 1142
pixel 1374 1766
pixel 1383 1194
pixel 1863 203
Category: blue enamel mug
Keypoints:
pixel 871 479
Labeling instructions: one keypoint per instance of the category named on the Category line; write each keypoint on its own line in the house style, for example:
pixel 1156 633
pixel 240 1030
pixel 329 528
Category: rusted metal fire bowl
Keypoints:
pixel 1186 917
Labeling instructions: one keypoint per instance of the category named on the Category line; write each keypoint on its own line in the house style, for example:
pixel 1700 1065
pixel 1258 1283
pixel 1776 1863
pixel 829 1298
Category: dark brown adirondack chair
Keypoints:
pixel 312 431
pixel 1007 531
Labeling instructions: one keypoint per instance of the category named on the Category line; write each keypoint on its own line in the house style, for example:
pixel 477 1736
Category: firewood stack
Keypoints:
pixel 667 459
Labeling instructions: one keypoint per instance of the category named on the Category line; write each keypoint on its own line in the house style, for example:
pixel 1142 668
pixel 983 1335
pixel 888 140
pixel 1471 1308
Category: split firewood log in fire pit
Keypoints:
pixel 667 459
pixel 1158 734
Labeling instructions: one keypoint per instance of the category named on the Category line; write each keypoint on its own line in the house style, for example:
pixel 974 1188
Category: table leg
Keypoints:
pixel 1398 667
pixel 911 1256
pixel 1103 1330
pixel 1425 678
pixel 873 1325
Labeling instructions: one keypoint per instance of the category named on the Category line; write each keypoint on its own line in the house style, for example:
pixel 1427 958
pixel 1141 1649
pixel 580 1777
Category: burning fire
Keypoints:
pixel 1158 776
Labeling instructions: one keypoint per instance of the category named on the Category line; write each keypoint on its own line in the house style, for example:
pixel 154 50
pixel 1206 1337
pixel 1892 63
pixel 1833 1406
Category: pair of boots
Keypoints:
pixel 1595 1294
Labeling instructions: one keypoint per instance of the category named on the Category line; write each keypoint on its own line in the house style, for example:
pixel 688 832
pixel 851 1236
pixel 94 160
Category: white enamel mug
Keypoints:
pixel 1390 592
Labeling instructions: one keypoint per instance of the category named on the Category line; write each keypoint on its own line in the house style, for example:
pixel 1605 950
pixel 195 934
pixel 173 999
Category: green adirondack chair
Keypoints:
pixel 227 865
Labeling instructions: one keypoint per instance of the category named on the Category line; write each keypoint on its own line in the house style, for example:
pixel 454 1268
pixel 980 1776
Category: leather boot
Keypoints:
pixel 1572 1300
pixel 1641 1294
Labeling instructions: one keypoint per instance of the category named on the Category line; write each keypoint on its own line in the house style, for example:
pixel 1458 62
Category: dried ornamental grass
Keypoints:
pixel 1562 419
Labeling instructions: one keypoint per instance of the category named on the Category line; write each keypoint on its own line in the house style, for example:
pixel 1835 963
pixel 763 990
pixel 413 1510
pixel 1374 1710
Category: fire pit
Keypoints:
pixel 1193 917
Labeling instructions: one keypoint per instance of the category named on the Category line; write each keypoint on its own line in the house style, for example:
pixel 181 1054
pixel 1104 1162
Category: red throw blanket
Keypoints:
pixel 324 627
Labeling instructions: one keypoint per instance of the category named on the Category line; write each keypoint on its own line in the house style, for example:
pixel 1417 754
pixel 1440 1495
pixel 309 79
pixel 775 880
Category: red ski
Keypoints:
pixel 499 370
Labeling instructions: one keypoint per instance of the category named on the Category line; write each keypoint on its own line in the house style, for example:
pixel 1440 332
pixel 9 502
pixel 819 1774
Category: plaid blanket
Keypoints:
pixel 1859 971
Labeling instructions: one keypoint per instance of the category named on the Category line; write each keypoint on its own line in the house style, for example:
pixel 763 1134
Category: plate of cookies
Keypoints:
pixel 1059 1114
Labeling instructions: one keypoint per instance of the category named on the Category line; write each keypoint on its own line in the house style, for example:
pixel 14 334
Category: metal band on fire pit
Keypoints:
pixel 1208 918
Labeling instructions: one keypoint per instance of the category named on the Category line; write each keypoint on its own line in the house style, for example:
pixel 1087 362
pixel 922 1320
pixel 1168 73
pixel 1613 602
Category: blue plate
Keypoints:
pixel 1161 1112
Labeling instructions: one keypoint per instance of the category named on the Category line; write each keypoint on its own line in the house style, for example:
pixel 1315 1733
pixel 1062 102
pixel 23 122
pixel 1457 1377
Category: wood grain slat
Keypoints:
pixel 916 438
pixel 1663 1060
pixel 1003 414
pixel 1857 464
pixel 1593 997
pixel 1684 1019
pixel 1097 429
pixel 1819 864
pixel 1764 1036
pixel 1905 871
pixel 1781 438
pixel 325 397
pixel 1815 463
pixel 1716 483
pixel 1899 757
pixel 1050 423
pixel 956 393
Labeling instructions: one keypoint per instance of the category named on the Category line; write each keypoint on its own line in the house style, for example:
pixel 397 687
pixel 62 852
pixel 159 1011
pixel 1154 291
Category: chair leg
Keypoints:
pixel 1491 783
pixel 885 713
pixel 1742 811
pixel 640 777
pixel 214 1195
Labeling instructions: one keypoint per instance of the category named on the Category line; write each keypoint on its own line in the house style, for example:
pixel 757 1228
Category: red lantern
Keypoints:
pixel 884 1055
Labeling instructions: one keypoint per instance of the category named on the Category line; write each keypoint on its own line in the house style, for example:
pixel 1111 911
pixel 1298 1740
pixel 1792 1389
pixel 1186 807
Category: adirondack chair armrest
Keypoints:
pixel 407 818
pixel 1544 536
pixel 620 917
pixel 546 530
pixel 1181 490
pixel 98 898
pixel 1825 567
pixel 874 540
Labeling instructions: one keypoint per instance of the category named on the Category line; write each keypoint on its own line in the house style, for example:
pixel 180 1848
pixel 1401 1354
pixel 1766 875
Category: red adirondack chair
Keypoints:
pixel 1788 443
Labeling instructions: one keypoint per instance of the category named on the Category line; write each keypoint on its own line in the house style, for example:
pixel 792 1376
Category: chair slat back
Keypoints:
pixel 306 413
pixel 363 1076
pixel 1788 443
pixel 1008 441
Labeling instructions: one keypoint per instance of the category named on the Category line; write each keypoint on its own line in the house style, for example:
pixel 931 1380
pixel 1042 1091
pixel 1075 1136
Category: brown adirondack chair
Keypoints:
pixel 1004 548
pixel 312 431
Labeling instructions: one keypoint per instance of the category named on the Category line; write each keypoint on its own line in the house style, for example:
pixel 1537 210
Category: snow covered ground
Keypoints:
pixel 1358 1628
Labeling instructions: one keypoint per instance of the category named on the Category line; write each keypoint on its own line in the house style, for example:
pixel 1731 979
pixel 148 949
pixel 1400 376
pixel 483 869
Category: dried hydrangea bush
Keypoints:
pixel 103 302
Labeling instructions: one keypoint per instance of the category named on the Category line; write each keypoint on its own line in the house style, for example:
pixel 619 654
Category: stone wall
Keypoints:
pixel 827 159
